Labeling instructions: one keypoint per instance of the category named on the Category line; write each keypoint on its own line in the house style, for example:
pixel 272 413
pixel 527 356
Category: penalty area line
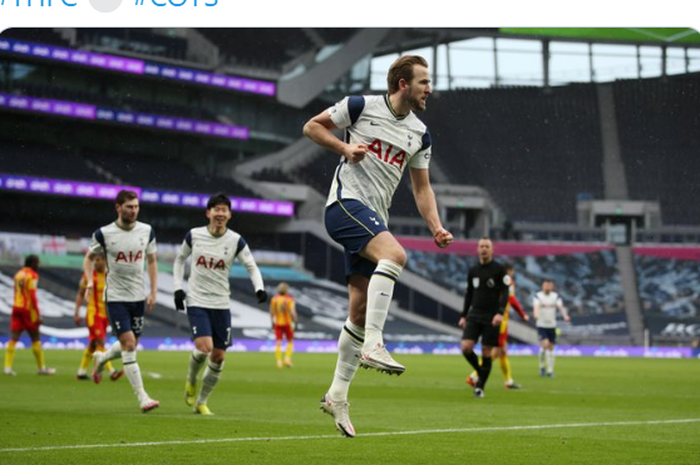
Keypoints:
pixel 485 429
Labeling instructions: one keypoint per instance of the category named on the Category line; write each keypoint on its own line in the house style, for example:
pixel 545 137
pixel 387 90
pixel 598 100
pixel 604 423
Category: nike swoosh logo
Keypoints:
pixel 372 123
pixel 384 294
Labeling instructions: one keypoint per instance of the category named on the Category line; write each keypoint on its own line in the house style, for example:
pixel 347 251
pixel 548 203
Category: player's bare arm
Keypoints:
pixel 88 269
pixel 319 128
pixel 564 313
pixel 153 278
pixel 79 299
pixel 427 206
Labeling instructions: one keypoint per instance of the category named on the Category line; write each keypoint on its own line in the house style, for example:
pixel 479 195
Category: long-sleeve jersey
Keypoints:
pixel 212 258
pixel 487 290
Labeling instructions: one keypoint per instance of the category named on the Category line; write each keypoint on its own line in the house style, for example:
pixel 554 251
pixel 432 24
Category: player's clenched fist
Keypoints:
pixel 355 152
pixel 442 238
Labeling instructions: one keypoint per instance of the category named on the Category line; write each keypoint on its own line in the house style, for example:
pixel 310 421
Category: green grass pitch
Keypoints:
pixel 596 411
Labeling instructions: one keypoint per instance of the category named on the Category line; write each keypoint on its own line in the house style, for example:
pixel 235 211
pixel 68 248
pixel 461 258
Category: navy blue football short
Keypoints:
pixel 351 224
pixel 126 316
pixel 547 333
pixel 207 322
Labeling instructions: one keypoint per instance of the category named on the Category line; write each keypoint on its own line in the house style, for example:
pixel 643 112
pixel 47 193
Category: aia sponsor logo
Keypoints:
pixel 211 263
pixel 388 155
pixel 129 257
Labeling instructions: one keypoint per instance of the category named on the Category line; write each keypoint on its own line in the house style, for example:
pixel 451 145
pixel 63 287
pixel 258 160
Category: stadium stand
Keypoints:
pixel 669 294
pixel 588 283
pixel 659 127
pixel 534 150
pixel 273 175
pixel 164 172
pixel 40 35
pixel 133 40
pixel 43 160
pixel 250 48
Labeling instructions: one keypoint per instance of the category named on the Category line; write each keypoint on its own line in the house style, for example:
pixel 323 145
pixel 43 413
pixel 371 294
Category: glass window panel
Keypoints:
pixel 675 60
pixel 568 62
pixel 650 58
pixel 694 57
pixel 612 62
pixel 380 66
pixel 472 63
pixel 520 62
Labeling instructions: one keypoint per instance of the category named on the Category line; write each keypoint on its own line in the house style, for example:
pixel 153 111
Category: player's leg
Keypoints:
pixel 38 352
pixel 501 354
pixel 289 334
pixel 541 356
pixel 212 373
pixel 390 257
pixel 470 335
pixel 87 358
pixel 10 349
pixel 350 342
pixel 99 332
pixel 550 354
pixel 486 364
pixel 278 345
pixel 221 339
pixel 504 362
pixel 200 326
pixel 119 319
pixel 131 328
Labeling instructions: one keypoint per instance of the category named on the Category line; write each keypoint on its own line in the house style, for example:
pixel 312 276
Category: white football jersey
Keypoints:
pixel 393 142
pixel 126 252
pixel 548 304
pixel 212 258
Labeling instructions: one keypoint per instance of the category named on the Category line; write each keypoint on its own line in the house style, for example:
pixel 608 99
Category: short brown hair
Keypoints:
pixel 124 196
pixel 402 68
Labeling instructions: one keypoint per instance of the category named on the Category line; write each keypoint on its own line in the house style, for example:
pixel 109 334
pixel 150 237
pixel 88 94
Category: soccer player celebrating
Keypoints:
pixel 26 316
pixel 383 136
pixel 501 351
pixel 95 318
pixel 283 314
pixel 484 306
pixel 213 248
pixel 545 305
pixel 127 244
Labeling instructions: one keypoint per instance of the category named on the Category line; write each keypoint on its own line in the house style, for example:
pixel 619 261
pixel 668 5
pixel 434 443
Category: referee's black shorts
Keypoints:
pixel 481 327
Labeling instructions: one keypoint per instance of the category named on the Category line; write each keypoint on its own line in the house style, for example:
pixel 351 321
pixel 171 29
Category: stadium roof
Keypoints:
pixel 667 35
pixel 410 39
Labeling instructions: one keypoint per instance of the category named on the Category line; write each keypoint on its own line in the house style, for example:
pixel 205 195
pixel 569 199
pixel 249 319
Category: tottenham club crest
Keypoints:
pixel 475 283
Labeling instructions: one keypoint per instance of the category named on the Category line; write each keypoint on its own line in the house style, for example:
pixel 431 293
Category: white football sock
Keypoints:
pixel 550 360
pixel 114 352
pixel 209 380
pixel 379 293
pixel 349 348
pixel 197 360
pixel 541 356
pixel 133 372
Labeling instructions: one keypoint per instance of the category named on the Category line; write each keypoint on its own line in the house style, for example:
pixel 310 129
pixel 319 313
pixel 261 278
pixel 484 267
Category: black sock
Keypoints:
pixel 484 372
pixel 473 359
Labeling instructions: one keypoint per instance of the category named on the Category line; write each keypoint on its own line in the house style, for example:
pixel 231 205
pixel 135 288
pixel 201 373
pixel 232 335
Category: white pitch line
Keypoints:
pixel 335 436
